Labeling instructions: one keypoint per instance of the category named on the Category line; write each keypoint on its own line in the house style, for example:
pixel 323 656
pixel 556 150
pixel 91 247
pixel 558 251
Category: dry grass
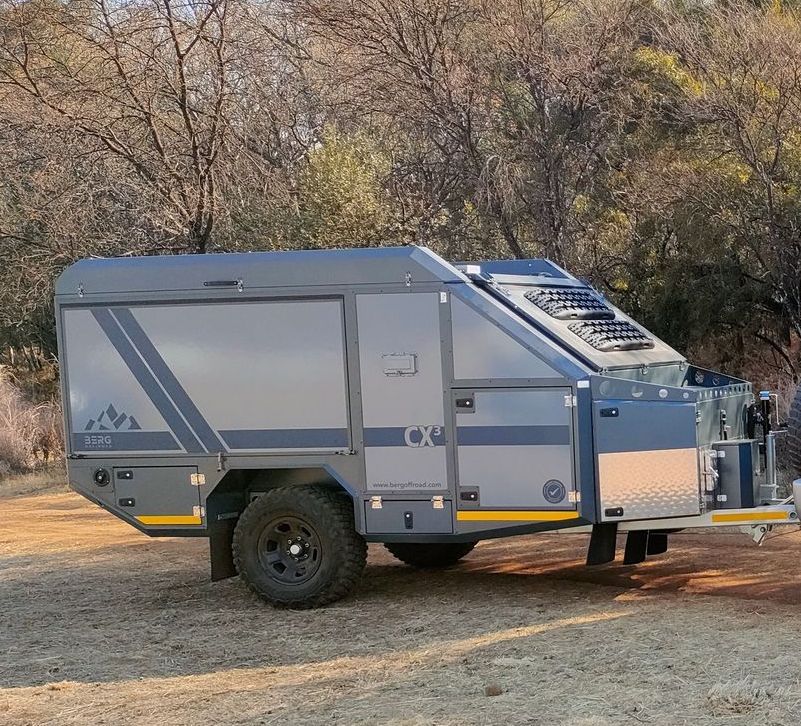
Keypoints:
pixel 99 624
pixel 741 697
pixel 47 479
pixel 30 434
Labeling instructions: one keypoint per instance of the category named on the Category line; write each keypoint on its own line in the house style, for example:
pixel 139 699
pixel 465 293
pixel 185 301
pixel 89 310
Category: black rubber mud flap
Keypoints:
pixel 657 543
pixel 602 543
pixel 636 547
pixel 222 561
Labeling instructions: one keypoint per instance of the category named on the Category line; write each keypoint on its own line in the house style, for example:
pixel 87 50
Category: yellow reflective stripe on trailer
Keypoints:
pixel 511 515
pixel 749 516
pixel 178 519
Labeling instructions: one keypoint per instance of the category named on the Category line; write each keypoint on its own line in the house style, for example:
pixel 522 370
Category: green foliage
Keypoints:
pixel 341 199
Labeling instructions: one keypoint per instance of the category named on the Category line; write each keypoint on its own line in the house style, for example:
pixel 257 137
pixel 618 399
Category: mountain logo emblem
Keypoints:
pixel 112 420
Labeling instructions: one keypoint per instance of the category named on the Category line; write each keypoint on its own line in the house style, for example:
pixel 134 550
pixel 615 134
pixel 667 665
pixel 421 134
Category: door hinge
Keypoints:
pixel 376 503
pixel 198 511
pixel 570 401
pixel 438 502
pixel 197 480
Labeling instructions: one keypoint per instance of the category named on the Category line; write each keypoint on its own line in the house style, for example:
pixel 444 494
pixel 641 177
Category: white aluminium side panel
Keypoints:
pixel 481 349
pixel 264 375
pixel 107 408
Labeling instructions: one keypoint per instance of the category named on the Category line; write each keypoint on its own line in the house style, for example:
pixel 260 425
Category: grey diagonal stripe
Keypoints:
pixel 167 379
pixel 146 379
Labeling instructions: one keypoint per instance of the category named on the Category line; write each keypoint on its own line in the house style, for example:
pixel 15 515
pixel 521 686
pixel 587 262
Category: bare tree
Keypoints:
pixel 147 127
pixel 746 66
pixel 516 100
pixel 557 110
pixel 147 80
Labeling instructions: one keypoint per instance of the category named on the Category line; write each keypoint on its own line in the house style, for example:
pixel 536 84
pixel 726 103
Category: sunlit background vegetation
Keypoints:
pixel 651 147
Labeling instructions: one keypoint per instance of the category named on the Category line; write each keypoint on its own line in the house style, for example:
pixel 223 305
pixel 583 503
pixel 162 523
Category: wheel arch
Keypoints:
pixel 239 486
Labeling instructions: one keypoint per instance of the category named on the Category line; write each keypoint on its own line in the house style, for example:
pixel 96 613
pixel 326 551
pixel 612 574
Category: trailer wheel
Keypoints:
pixel 297 547
pixel 430 556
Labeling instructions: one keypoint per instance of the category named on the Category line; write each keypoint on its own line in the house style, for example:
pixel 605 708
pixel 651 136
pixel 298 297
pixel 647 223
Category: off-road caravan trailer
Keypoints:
pixel 293 406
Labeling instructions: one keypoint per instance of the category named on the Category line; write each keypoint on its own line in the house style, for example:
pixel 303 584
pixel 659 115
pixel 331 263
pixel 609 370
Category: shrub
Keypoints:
pixel 30 434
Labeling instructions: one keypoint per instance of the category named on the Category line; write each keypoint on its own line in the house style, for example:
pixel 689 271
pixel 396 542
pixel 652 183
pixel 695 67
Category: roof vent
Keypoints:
pixel 570 303
pixel 611 335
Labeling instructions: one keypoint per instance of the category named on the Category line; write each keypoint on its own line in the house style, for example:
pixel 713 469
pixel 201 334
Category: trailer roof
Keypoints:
pixel 508 282
pixel 378 266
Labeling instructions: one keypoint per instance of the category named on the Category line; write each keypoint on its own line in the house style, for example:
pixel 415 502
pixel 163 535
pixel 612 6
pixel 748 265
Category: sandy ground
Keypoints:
pixel 99 624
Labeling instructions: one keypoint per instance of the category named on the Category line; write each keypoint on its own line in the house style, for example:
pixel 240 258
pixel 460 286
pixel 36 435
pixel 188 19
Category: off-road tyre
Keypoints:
pixel 794 434
pixel 319 516
pixel 430 556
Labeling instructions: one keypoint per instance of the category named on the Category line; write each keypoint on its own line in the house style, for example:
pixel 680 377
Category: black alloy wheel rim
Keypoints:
pixel 289 550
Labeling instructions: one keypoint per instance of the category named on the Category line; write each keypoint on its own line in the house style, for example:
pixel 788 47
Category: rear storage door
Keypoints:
pixel 514 452
pixel 159 496
pixel 647 459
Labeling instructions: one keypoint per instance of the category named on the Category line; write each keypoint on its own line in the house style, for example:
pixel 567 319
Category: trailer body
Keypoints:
pixel 449 402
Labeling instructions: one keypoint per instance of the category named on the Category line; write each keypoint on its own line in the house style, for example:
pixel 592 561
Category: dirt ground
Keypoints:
pixel 100 624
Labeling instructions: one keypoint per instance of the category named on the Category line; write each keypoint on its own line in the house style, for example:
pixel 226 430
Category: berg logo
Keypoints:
pixel 111 420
